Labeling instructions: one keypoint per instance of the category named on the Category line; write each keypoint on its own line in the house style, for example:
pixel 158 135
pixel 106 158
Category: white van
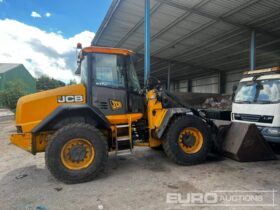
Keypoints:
pixel 257 100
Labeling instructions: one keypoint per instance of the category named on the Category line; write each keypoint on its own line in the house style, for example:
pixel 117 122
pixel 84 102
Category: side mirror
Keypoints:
pixel 78 71
pixel 259 86
pixel 79 54
pixel 234 88
pixel 80 57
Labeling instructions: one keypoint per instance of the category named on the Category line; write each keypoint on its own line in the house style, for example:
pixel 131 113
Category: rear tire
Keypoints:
pixel 76 153
pixel 187 141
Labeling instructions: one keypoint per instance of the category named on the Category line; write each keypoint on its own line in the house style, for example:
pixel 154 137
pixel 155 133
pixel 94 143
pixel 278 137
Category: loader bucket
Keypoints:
pixel 244 143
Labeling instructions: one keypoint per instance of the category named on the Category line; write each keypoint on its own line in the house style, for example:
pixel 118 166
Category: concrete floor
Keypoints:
pixel 139 181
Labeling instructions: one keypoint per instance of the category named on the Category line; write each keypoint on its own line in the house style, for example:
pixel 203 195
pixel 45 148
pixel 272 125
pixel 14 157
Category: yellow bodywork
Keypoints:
pixel 34 108
pixel 155 115
pixel 124 118
pixel 24 141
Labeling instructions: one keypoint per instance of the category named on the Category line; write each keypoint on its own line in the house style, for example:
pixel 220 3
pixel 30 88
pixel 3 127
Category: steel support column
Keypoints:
pixel 253 51
pixel 168 76
pixel 189 85
pixel 147 38
pixel 222 83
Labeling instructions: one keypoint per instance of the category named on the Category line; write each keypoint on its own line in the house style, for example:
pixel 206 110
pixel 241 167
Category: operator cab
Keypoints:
pixel 110 79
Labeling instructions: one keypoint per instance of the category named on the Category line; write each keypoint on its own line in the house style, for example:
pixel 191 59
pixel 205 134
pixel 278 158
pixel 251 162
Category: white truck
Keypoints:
pixel 257 100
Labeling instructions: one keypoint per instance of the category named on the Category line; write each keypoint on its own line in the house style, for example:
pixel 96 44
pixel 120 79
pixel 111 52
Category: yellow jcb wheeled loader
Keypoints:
pixel 76 126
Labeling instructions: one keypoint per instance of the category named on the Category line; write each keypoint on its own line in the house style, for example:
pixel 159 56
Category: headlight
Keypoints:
pixel 271 131
pixel 237 116
pixel 266 119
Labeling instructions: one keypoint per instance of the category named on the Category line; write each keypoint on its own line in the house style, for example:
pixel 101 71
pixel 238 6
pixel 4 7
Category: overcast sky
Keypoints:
pixel 42 34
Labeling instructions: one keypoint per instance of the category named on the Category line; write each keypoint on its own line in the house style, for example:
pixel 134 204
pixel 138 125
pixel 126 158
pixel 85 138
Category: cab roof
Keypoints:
pixel 259 72
pixel 263 77
pixel 108 50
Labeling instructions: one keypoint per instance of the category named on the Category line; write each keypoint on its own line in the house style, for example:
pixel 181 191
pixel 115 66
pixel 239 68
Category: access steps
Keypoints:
pixel 125 138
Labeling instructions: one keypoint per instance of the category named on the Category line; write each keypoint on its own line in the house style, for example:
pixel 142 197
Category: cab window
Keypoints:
pixel 133 82
pixel 84 67
pixel 109 70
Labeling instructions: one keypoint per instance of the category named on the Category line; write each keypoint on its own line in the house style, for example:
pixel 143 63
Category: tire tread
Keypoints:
pixel 169 136
pixel 61 176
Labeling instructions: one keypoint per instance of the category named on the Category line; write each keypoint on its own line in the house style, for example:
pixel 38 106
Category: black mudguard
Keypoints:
pixel 83 109
pixel 167 118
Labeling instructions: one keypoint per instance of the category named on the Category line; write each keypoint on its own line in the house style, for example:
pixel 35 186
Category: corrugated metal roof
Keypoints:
pixel 197 36
pixel 4 67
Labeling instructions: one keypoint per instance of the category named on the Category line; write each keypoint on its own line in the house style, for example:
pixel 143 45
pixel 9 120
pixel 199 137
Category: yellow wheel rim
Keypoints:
pixel 190 140
pixel 77 154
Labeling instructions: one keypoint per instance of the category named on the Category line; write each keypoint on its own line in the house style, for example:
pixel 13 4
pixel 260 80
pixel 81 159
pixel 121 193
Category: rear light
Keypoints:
pixel 19 129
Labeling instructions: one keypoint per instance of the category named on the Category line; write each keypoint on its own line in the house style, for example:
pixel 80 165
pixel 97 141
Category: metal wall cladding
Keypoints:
pixel 203 34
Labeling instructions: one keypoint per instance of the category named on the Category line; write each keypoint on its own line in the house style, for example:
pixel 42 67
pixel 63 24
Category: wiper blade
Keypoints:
pixel 264 102
pixel 243 102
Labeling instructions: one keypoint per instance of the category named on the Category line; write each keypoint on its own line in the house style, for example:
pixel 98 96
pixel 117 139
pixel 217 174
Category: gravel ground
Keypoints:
pixel 139 181
pixel 6 113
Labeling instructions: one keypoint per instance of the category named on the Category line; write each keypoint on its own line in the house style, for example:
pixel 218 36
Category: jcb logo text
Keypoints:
pixel 70 99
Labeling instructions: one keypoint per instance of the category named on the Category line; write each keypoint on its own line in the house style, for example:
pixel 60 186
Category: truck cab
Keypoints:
pixel 257 100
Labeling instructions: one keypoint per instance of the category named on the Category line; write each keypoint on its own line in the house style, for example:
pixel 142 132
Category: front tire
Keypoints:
pixel 187 141
pixel 76 153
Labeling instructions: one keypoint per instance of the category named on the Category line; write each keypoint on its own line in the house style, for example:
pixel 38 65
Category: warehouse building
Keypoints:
pixel 16 72
pixel 196 45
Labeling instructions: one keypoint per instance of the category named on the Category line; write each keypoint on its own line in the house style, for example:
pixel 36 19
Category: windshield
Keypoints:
pixel 264 91
pixel 83 70
pixel 109 70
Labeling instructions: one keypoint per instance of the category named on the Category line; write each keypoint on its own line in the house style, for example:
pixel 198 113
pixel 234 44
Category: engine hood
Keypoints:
pixel 34 108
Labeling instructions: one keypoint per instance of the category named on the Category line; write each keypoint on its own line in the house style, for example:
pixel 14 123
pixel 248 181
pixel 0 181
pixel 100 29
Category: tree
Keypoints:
pixel 13 91
pixel 46 83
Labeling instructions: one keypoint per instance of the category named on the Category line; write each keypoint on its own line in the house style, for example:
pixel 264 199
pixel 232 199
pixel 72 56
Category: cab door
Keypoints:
pixel 136 101
pixel 109 92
